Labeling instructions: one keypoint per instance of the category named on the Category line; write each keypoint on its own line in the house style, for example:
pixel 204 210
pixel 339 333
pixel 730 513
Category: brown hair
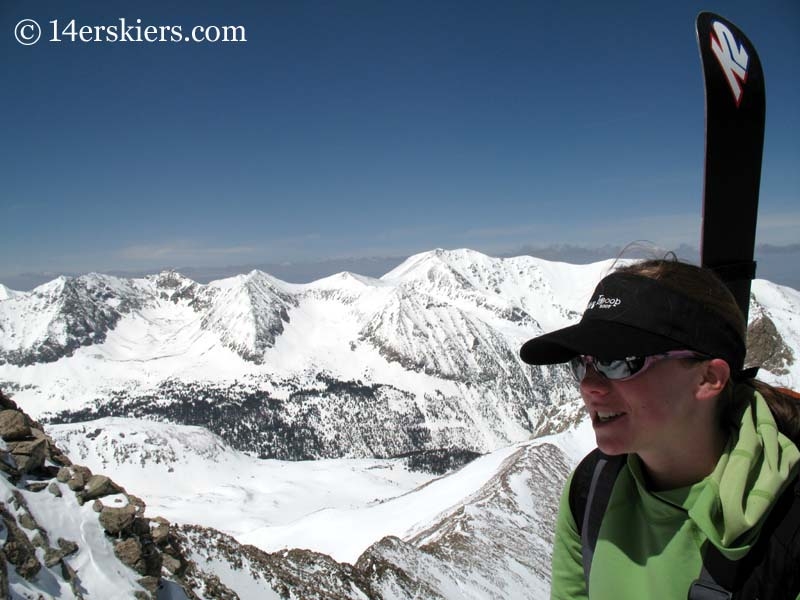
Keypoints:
pixel 704 286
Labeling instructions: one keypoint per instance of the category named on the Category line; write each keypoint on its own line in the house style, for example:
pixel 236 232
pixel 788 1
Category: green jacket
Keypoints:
pixel 649 543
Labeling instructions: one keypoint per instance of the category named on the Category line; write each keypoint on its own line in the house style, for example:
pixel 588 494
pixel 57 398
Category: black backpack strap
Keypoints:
pixel 589 494
pixel 708 587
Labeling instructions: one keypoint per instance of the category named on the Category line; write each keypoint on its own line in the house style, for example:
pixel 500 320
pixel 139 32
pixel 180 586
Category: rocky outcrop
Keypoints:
pixel 32 464
pixel 766 348
pixel 291 574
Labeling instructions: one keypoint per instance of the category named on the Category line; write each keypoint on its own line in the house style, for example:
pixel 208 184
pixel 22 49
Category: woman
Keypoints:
pixel 706 450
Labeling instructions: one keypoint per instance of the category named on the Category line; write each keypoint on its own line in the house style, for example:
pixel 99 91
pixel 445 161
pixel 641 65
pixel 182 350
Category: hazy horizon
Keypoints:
pixel 774 263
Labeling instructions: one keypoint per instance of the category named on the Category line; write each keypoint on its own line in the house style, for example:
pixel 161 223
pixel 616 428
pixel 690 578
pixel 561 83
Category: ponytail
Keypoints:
pixel 784 405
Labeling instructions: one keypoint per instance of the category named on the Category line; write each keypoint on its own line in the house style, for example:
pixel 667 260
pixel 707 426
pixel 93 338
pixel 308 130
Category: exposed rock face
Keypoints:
pixel 13 426
pixel 28 454
pixel 766 348
pixel 76 311
pixel 496 546
pixel 293 574
pixel 18 550
pixel 117 520
pixel 99 486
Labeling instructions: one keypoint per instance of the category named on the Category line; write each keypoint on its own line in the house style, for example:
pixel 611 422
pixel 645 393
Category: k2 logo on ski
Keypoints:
pixel 732 58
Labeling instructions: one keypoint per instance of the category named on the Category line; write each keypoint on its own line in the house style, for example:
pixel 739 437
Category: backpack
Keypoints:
pixel 768 571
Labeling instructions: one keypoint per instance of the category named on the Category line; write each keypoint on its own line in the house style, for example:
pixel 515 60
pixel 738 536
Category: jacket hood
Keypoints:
pixel 756 466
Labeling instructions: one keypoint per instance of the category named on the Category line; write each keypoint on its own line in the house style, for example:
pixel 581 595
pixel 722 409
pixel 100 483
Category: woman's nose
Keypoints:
pixel 593 383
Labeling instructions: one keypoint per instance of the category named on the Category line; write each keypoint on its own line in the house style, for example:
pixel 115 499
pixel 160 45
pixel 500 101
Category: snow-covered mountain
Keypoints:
pixel 6 293
pixel 423 359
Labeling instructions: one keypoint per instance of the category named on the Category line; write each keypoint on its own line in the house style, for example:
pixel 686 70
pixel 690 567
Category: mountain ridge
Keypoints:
pixel 429 351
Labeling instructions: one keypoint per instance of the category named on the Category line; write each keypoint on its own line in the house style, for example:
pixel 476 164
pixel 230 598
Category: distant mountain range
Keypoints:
pixel 422 360
pixel 775 263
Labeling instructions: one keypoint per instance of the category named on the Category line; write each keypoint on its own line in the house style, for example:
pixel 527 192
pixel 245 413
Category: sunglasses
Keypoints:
pixel 622 369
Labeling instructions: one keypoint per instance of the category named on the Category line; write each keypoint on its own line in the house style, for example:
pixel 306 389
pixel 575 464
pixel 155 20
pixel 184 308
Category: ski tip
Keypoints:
pixel 707 16
pixel 708 21
pixel 721 40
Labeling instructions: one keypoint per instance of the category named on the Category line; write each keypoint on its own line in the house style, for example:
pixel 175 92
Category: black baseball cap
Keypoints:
pixel 632 315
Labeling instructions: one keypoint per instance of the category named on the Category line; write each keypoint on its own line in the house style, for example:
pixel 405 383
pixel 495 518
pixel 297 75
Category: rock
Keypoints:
pixel 18 500
pixel 18 549
pixel 59 458
pixel 766 347
pixel 99 486
pixel 129 551
pixel 172 565
pixel 48 471
pixel 141 527
pixel 67 547
pixel 138 503
pixel 142 556
pixel 25 562
pixel 160 532
pixel 37 486
pixel 6 402
pixel 13 426
pixel 69 574
pixel 52 557
pixel 41 435
pixel 27 521
pixel 3 571
pixel 54 489
pixel 8 465
pixel 64 474
pixel 117 520
pixel 80 475
pixel 29 455
pixel 149 583
pixel 152 558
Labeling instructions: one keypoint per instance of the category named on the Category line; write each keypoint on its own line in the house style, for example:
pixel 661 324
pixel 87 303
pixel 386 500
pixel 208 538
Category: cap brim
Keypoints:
pixel 605 339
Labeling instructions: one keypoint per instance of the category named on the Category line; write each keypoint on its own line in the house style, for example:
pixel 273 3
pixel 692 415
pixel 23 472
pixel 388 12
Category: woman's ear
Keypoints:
pixel 715 375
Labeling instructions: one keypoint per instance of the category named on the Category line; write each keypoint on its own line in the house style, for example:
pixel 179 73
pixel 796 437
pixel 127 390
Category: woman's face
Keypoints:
pixel 649 413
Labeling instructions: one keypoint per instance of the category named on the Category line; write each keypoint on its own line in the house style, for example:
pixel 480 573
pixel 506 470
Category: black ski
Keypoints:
pixel 735 108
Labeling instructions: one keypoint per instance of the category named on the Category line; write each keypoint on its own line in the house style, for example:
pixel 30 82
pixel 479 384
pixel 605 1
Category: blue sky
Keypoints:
pixel 371 129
